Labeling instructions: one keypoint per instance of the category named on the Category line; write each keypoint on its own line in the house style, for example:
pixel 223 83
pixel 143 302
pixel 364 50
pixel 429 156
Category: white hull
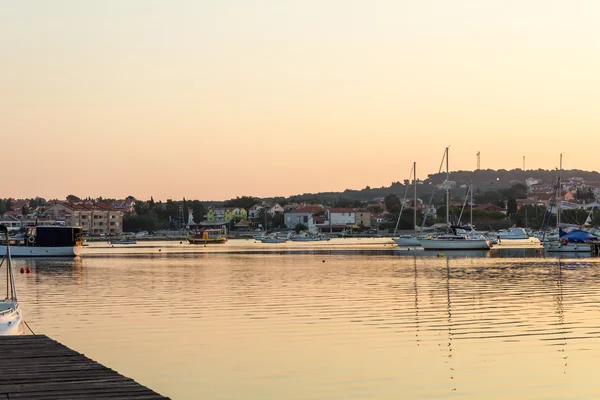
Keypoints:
pixel 408 241
pixel 11 323
pixel 556 247
pixel 33 251
pixel 273 240
pixel 450 244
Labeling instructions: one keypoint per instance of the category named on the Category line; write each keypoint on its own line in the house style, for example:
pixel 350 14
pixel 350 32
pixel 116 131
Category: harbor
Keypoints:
pixel 347 318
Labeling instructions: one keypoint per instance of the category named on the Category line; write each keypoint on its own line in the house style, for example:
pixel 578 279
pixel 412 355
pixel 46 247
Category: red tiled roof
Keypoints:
pixel 306 210
pixel 341 210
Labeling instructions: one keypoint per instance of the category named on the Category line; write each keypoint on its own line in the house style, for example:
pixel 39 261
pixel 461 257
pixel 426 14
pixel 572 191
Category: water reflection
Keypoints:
pixel 327 323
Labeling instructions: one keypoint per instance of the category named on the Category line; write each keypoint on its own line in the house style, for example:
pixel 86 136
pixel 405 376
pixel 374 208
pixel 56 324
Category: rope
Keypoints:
pixel 27 325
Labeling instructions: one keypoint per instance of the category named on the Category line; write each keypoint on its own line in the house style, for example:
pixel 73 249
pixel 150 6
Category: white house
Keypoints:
pixel 341 216
pixel 276 209
pixel 254 211
pixel 303 216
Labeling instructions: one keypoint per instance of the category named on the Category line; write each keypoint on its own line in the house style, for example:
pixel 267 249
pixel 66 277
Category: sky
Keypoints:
pixel 215 99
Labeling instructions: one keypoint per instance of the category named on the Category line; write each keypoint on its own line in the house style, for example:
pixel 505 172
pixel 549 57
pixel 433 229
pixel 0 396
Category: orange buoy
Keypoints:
pixel 28 270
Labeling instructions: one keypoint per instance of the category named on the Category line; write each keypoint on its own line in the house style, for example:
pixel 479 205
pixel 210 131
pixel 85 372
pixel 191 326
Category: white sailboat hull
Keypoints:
pixel 34 251
pixel 407 241
pixel 454 244
pixel 557 247
pixel 11 320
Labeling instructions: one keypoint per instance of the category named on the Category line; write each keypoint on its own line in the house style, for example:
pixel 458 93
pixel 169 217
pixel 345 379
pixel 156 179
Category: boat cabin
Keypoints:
pixel 49 236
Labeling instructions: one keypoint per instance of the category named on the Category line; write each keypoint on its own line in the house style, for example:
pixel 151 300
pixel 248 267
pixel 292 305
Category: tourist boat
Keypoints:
pixel 11 317
pixel 514 236
pixel 453 240
pixel 208 236
pixel 124 241
pixel 46 241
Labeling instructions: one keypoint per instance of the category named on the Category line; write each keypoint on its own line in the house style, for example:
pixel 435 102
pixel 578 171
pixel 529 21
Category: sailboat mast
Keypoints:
pixel 559 194
pixel 471 205
pixel 447 191
pixel 415 195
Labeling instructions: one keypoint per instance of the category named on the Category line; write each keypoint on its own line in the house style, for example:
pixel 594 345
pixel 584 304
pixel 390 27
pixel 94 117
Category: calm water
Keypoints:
pixel 339 320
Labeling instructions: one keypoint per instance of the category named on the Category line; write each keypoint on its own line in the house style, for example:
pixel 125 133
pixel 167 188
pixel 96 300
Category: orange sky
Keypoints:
pixel 211 100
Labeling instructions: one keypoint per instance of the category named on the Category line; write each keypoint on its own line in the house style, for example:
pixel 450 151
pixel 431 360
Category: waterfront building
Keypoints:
pixel 93 218
pixel 304 215
pixel 226 214
pixel 363 218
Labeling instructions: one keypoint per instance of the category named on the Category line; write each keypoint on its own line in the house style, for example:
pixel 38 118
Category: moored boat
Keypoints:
pixel 454 240
pixel 274 238
pixel 407 241
pixel 124 241
pixel 46 241
pixel 208 236
pixel 11 316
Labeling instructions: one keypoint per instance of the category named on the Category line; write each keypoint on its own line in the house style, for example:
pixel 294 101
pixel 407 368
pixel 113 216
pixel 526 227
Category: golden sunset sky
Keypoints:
pixel 216 99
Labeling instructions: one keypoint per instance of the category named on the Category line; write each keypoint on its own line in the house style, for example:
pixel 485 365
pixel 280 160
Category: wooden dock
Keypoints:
pixel 37 367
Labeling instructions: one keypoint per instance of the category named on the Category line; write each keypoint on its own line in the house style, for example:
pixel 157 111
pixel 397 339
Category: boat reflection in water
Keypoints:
pixel 452 253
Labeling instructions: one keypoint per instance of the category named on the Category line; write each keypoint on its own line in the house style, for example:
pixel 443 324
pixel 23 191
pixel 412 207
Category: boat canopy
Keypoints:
pixel 577 235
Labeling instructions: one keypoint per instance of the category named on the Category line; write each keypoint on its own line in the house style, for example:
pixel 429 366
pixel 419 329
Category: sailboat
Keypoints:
pixel 573 241
pixel 409 240
pixel 453 240
pixel 11 317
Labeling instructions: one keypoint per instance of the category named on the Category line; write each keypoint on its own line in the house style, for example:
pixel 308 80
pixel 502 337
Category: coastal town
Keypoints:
pixel 500 208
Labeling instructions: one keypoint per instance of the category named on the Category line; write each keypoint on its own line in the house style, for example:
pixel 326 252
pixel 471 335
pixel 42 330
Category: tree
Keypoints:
pixel 244 202
pixel 511 206
pixel 392 203
pixel 72 197
pixel 300 227
pixel 24 210
pixel 585 194
pixel 277 221
pixel 185 212
pixel 198 211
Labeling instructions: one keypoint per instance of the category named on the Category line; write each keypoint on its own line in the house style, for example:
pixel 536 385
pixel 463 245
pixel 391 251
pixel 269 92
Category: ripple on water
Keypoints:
pixel 367 323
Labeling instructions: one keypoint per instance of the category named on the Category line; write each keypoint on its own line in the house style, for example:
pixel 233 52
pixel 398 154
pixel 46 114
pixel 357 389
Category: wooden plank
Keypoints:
pixel 37 367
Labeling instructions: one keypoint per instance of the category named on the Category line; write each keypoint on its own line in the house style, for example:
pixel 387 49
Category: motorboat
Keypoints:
pixel 46 241
pixel 303 237
pixel 11 316
pixel 274 238
pixel 124 241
